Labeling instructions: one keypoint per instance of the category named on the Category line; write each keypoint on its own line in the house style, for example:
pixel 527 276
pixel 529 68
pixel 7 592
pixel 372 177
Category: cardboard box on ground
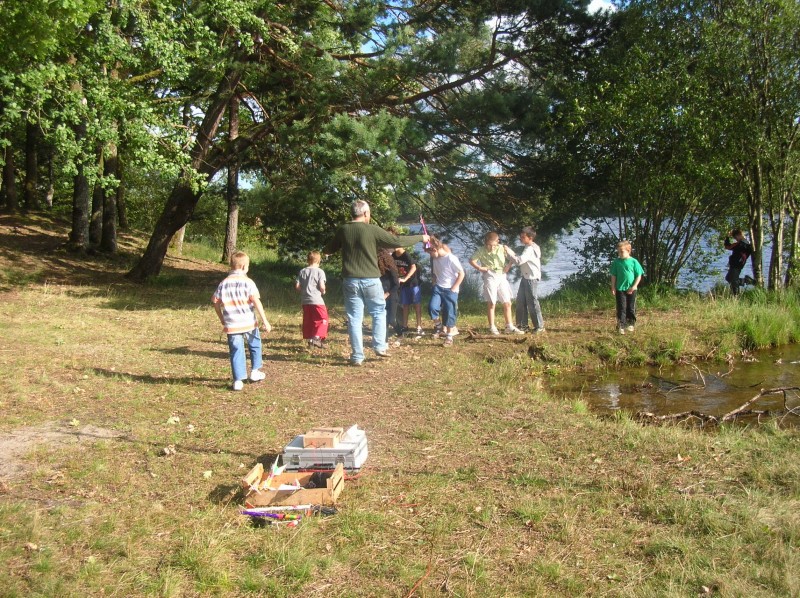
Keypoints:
pixel 315 488
pixel 322 437
pixel 323 480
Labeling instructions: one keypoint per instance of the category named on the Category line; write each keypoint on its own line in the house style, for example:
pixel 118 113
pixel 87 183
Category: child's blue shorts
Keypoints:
pixel 410 295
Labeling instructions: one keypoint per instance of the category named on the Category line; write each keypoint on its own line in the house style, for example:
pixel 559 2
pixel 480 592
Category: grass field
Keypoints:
pixel 477 484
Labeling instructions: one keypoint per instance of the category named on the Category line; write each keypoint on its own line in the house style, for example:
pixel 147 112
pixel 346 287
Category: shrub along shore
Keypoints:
pixel 477 483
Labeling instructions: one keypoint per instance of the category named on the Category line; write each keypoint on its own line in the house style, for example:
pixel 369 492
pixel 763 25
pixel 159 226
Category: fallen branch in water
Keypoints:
pixel 683 416
pixel 728 373
pixel 691 384
pixel 740 411
pixel 772 391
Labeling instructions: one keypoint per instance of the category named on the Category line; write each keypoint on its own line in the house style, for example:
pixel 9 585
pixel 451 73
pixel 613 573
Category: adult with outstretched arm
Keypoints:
pixel 359 242
pixel 741 251
pixel 530 264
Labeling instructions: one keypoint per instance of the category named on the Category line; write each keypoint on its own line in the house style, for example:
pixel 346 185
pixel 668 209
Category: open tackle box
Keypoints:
pixel 348 448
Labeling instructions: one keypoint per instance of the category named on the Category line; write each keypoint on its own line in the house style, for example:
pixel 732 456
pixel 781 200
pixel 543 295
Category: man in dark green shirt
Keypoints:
pixel 359 242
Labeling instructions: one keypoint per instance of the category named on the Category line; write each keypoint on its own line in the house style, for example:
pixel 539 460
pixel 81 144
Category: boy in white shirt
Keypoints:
pixel 448 274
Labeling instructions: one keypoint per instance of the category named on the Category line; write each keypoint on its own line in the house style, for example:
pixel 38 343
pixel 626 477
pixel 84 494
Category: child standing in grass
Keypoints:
pixel 390 281
pixel 448 274
pixel 490 261
pixel 310 283
pixel 237 301
pixel 626 274
pixel 410 293
pixel 530 265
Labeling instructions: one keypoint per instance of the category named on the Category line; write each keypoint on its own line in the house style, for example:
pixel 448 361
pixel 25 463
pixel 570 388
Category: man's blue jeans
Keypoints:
pixel 361 293
pixel 236 344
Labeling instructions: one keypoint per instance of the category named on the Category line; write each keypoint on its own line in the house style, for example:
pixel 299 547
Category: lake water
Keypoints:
pixel 713 390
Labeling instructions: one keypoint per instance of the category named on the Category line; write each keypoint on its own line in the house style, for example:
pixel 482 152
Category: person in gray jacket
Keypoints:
pixel 530 265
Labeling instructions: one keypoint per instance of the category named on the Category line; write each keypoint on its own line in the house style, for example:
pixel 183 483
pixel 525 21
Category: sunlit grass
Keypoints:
pixel 477 483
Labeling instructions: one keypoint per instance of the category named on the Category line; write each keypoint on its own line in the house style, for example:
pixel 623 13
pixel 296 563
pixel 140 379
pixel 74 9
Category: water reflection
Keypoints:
pixel 712 389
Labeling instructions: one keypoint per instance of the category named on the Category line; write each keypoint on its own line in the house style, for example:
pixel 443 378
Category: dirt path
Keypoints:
pixel 15 445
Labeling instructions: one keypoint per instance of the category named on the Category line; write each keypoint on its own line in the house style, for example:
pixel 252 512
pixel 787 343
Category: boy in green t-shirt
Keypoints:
pixel 626 274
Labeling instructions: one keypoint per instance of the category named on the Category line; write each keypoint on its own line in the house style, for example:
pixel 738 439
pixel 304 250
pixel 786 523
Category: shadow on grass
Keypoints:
pixel 187 351
pixel 223 494
pixel 226 493
pixel 289 352
pixel 149 379
pixel 316 356
pixel 183 294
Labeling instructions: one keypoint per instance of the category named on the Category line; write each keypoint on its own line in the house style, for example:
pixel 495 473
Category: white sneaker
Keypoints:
pixel 238 385
pixel 631 328
pixel 420 331
pixel 621 330
pixel 257 376
pixel 513 330
pixel 453 331
pixel 494 330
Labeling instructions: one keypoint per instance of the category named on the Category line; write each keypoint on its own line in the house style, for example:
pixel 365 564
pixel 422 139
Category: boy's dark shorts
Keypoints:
pixel 410 295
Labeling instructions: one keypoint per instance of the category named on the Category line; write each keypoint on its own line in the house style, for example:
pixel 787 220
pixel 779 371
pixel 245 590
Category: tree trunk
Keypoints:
pixel 757 236
pixel 755 202
pixel 10 181
pixel 183 199
pixel 31 199
pixel 232 225
pixel 122 212
pixel 232 191
pixel 776 258
pixel 79 236
pixel 108 241
pixel 51 180
pixel 793 266
pixel 177 240
pixel 98 195
pixel 176 213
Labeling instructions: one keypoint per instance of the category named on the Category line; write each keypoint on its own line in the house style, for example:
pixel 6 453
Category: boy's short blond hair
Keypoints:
pixel 491 236
pixel 624 244
pixel 313 257
pixel 240 260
